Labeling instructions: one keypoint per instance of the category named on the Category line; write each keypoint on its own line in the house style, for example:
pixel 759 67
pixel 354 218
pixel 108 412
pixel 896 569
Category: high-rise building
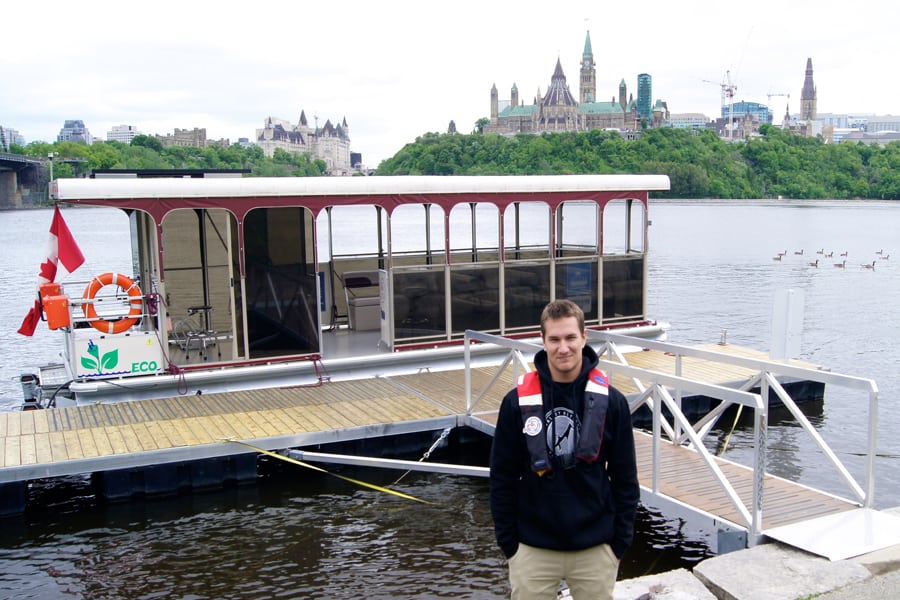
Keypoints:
pixel 645 97
pixel 122 133
pixel 759 113
pixel 74 131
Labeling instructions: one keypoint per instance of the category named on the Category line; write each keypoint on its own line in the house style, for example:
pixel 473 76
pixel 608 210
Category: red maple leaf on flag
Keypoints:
pixel 47 271
pixel 61 248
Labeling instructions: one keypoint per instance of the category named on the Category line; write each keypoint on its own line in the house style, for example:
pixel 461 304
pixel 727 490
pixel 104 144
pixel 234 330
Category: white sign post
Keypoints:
pixel 787 324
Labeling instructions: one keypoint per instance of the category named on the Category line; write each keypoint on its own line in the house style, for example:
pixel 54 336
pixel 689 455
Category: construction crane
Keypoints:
pixel 728 90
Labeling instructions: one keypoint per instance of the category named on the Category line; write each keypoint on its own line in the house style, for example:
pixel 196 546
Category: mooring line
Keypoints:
pixel 321 470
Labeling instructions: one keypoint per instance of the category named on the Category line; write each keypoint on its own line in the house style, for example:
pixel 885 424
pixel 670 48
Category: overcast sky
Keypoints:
pixel 396 70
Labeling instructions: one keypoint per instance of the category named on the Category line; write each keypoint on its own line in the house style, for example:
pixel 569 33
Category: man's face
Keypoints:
pixel 563 342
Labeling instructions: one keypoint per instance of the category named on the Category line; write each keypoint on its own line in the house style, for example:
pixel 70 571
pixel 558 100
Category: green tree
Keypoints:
pixel 104 155
pixel 147 141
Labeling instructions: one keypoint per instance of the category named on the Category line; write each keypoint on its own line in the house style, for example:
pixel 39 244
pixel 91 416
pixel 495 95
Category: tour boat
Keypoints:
pixel 254 282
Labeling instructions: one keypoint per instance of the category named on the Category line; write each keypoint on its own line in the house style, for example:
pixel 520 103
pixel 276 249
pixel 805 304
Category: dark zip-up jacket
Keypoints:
pixel 569 508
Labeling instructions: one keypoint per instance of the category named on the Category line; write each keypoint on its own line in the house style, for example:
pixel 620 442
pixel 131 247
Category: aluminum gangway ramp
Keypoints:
pixel 676 466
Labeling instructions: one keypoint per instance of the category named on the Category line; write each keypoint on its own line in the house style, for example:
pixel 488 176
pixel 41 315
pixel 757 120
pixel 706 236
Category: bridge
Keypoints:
pixel 23 181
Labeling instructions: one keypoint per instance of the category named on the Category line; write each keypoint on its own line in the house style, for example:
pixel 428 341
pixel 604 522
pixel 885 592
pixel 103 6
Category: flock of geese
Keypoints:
pixel 880 254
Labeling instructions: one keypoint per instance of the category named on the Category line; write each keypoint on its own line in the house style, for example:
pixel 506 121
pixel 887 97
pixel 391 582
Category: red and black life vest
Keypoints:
pixel 531 403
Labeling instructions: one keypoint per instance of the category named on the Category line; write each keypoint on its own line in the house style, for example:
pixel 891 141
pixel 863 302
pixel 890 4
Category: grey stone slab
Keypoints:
pixel 679 584
pixel 775 572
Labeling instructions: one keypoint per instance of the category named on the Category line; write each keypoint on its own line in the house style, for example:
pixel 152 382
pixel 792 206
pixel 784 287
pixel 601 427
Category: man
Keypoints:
pixel 564 487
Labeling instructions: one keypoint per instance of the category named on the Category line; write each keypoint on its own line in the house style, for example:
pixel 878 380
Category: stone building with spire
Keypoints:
pixel 808 95
pixel 807 122
pixel 558 110
pixel 330 143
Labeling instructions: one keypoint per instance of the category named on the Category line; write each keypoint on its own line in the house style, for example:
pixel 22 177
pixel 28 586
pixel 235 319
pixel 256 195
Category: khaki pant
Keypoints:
pixel 535 573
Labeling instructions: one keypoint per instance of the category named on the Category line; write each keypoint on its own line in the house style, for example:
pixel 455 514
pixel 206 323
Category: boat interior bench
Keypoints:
pixel 361 291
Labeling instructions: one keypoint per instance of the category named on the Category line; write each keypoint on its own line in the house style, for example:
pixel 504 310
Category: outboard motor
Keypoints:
pixel 31 391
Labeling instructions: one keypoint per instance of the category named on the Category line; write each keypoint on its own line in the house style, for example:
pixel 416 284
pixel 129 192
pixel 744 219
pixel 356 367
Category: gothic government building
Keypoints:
pixel 558 110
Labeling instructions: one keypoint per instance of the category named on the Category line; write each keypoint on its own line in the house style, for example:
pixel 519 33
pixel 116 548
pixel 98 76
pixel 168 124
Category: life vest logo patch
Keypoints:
pixel 533 426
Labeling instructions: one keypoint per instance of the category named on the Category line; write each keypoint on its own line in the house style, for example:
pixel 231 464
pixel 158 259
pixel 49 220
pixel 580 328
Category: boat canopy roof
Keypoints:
pixel 316 193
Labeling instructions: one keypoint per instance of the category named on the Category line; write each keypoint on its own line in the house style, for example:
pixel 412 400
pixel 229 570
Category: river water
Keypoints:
pixel 297 535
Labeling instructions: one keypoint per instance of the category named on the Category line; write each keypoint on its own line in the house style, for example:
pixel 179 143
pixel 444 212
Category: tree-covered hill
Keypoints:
pixel 146 152
pixel 700 165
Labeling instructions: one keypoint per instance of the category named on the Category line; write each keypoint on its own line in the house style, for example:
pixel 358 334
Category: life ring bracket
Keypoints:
pixel 135 302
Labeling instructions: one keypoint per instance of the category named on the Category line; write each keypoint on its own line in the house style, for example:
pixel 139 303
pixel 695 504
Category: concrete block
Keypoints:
pixel 679 584
pixel 775 572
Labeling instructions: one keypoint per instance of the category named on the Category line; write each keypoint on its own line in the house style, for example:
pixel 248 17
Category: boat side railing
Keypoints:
pixel 659 391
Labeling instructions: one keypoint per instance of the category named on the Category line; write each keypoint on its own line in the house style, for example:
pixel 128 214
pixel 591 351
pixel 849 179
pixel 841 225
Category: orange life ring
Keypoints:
pixel 136 300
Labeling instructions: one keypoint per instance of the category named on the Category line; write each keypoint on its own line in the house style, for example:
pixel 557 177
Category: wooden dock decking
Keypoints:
pixel 685 477
pixel 106 437
pixel 65 441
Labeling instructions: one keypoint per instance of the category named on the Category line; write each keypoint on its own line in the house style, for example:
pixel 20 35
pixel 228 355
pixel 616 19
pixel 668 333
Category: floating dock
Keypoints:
pixel 163 445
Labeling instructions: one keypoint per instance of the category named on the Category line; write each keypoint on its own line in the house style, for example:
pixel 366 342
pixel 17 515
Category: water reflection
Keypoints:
pixel 293 534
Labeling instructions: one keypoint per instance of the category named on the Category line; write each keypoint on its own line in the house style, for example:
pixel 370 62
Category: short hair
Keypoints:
pixel 560 309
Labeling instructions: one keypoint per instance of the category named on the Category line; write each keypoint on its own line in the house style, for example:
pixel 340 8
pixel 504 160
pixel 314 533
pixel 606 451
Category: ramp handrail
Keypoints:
pixel 765 378
pixel 655 398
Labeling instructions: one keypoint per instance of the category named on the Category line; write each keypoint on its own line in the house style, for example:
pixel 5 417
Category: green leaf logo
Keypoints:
pixel 110 360
pixel 107 363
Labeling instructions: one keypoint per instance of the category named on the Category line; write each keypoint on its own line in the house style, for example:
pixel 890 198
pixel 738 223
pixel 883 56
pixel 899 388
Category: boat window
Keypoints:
pixel 417 235
pixel 198 257
pixel 577 280
pixel 623 261
pixel 475 298
pixel 623 288
pixel 526 231
pixel 526 249
pixel 474 233
pixel 623 227
pixel 281 282
pixel 419 300
pixel 527 291
pixel 362 232
pixel 578 229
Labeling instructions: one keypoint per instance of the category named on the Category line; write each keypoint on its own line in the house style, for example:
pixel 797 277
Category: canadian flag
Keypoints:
pixel 61 249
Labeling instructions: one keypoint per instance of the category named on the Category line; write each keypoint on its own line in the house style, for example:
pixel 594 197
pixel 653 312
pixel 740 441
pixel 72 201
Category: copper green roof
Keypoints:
pixel 524 110
pixel 600 108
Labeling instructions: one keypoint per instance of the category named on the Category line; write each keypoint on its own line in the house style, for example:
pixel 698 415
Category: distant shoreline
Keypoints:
pixel 772 201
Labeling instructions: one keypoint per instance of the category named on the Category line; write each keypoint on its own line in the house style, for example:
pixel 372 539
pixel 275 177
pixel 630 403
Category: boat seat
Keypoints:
pixel 362 294
pixel 190 333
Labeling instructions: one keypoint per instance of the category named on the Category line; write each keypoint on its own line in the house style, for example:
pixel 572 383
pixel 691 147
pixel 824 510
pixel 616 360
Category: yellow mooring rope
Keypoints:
pixel 737 418
pixel 315 468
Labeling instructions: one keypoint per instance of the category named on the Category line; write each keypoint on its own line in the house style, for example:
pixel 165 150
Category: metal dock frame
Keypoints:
pixel 657 389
